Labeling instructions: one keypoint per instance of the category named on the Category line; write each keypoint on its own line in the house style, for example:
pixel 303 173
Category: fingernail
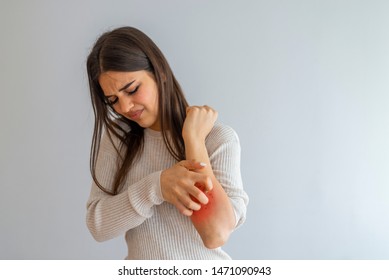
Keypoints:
pixel 204 199
pixel 203 164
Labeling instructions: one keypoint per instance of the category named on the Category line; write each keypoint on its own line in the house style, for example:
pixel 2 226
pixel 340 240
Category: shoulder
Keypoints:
pixel 221 134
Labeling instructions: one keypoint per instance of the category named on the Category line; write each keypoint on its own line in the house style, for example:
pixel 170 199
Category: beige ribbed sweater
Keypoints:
pixel 153 228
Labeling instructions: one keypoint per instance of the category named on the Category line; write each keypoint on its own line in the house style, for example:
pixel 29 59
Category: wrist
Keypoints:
pixel 193 139
pixel 194 145
pixel 197 151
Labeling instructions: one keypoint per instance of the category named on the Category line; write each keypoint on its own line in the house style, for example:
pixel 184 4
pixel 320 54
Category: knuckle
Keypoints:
pixel 181 182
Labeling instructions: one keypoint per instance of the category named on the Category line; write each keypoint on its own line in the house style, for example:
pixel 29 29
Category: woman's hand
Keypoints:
pixel 198 122
pixel 178 186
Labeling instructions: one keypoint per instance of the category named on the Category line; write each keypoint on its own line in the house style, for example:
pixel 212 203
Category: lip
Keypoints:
pixel 135 115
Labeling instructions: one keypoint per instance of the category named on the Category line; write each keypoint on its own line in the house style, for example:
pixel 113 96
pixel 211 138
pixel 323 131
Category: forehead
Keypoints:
pixel 111 82
pixel 112 77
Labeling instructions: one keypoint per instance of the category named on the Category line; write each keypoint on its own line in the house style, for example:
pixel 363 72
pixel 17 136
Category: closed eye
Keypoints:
pixel 112 100
pixel 133 91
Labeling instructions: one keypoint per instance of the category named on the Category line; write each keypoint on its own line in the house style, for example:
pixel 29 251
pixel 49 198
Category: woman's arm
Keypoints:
pixel 109 216
pixel 216 219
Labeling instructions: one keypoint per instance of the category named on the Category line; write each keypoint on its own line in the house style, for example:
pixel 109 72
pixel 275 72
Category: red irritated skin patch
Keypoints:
pixel 206 209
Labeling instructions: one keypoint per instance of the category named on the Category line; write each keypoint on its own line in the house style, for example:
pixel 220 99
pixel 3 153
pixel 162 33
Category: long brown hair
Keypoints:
pixel 127 49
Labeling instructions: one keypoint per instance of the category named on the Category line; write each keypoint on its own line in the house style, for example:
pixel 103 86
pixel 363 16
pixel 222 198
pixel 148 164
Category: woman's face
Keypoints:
pixel 133 95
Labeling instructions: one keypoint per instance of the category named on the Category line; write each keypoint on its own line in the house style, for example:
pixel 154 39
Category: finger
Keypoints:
pixel 208 185
pixel 183 210
pixel 183 198
pixel 204 181
pixel 193 108
pixel 189 108
pixel 190 202
pixel 192 164
pixel 211 111
pixel 197 194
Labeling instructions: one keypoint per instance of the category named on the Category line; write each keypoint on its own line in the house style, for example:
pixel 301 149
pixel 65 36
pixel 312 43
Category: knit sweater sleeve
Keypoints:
pixel 109 216
pixel 224 153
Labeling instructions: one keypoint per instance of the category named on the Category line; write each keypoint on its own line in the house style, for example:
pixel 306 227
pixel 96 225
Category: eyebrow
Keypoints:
pixel 123 88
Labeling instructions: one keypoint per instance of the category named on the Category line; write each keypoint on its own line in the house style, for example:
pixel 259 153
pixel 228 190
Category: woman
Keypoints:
pixel 164 174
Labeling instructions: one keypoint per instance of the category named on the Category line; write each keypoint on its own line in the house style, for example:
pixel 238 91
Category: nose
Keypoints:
pixel 125 104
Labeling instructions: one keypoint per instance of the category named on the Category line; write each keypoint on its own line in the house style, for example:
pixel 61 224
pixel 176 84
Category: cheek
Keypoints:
pixel 147 97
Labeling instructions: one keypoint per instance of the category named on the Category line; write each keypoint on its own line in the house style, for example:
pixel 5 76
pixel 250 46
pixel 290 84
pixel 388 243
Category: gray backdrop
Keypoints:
pixel 304 83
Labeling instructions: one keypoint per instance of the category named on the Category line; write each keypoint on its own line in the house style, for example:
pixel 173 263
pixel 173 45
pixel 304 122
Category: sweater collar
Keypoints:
pixel 152 133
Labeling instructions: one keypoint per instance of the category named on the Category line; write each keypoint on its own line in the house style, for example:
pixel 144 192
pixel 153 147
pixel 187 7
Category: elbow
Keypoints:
pixel 216 240
pixel 95 229
pixel 97 236
pixel 213 244
pixel 216 236
pixel 96 233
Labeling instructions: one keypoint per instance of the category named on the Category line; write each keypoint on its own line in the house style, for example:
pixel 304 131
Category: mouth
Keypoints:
pixel 135 115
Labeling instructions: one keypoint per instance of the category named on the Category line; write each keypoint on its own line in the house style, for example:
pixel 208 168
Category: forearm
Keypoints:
pixel 215 220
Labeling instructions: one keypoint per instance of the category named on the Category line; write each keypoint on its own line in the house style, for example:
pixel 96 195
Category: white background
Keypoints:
pixel 304 83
